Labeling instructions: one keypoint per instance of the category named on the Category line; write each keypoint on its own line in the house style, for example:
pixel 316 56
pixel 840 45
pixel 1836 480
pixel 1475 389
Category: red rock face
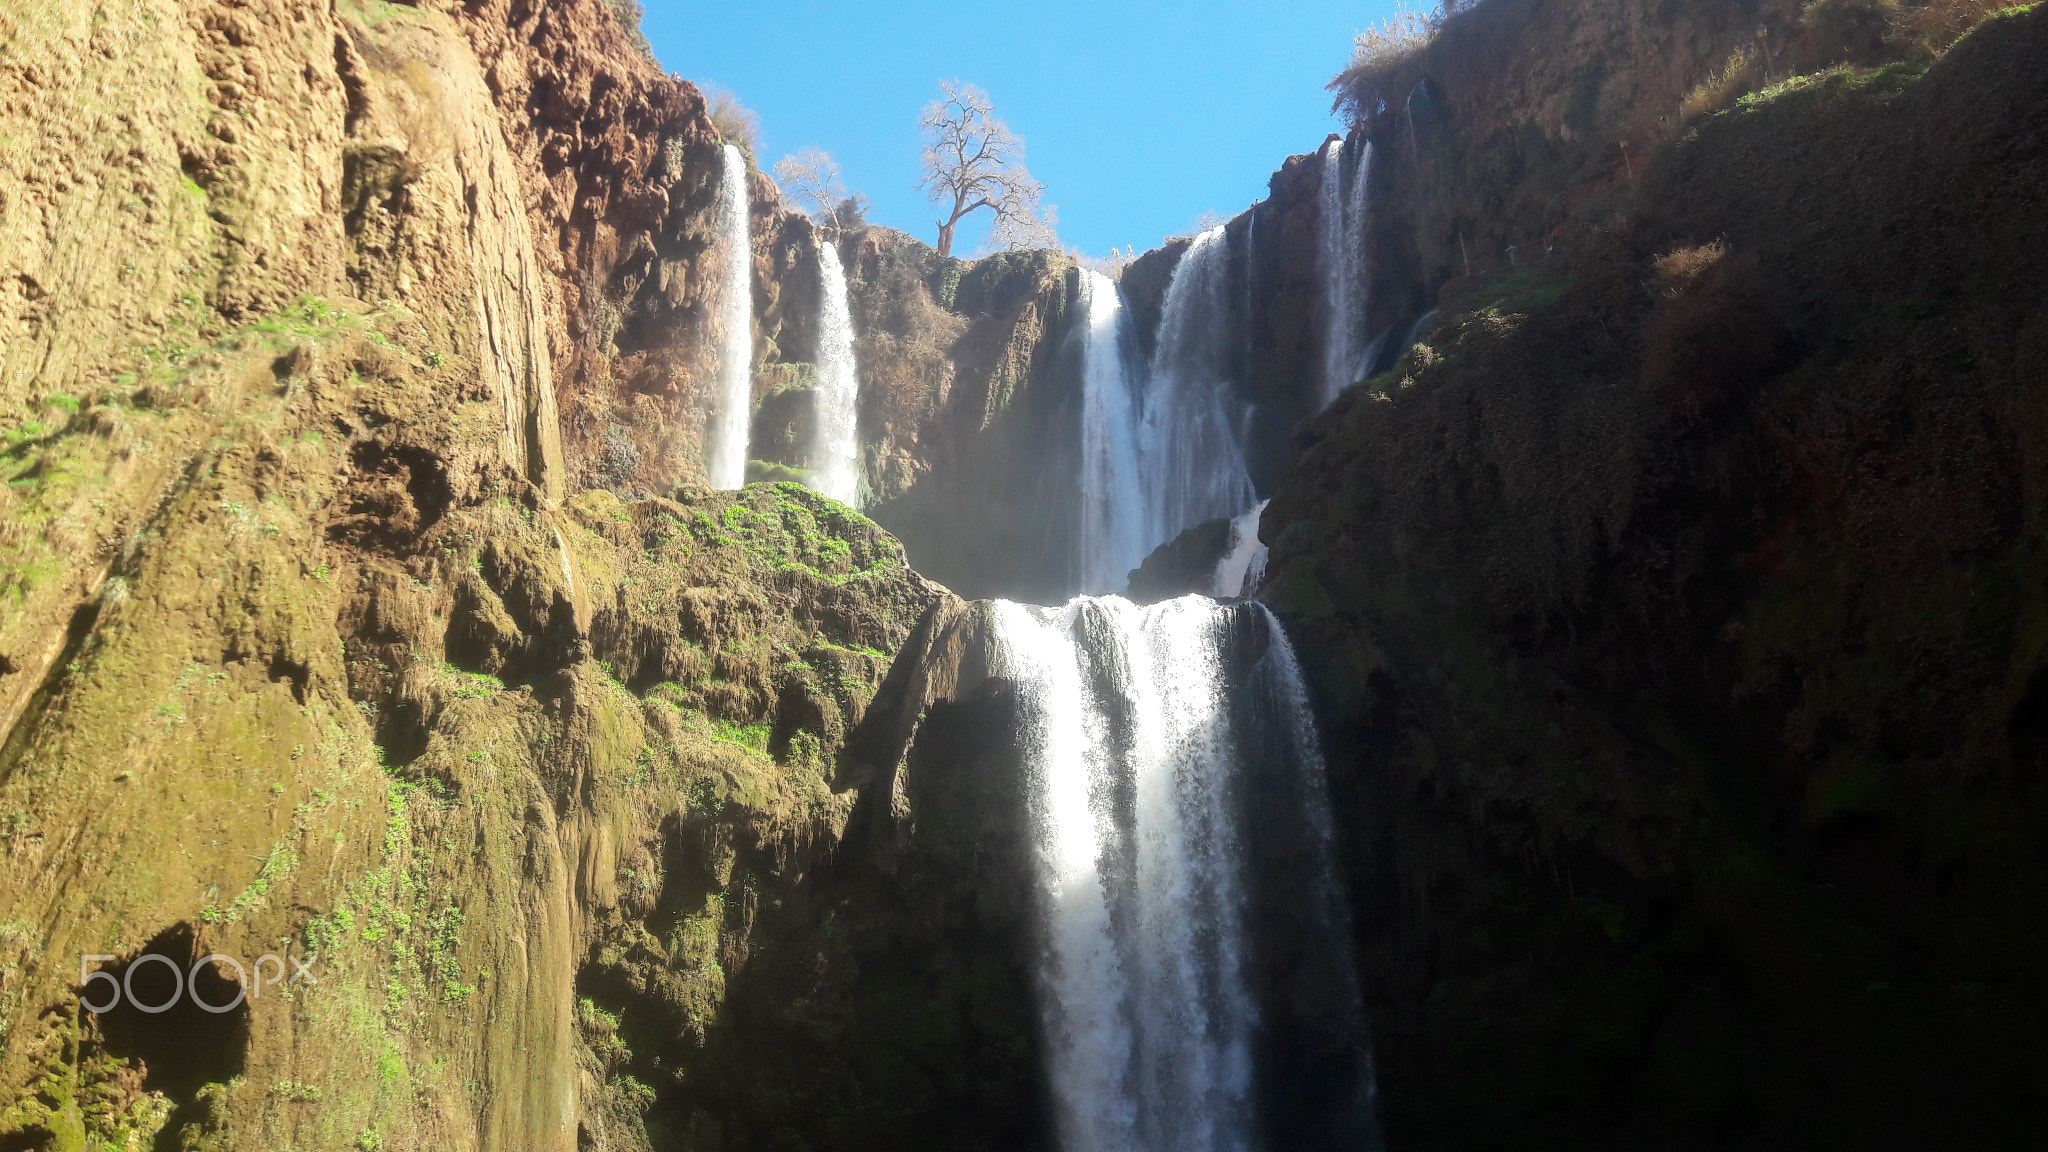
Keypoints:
pixel 620 167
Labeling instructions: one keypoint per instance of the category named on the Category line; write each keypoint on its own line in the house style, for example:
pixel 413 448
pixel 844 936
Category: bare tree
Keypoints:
pixel 1208 220
pixel 1112 265
pixel 973 161
pixel 811 178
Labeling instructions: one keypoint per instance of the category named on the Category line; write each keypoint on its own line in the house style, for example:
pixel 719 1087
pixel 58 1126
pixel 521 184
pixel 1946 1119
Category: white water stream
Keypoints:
pixel 1135 731
pixel 1191 465
pixel 1341 258
pixel 1113 528
pixel 726 454
pixel 1147 1016
pixel 835 456
pixel 1244 557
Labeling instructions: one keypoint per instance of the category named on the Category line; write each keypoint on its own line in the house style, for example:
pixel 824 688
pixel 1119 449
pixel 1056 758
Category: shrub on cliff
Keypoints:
pixel 811 178
pixel 629 14
pixel 1742 74
pixel 737 124
pixel 1385 47
pixel 1393 39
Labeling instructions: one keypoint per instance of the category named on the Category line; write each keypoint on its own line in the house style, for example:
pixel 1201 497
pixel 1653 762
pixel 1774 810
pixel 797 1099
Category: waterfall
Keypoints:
pixel 1332 250
pixel 835 456
pixel 1113 539
pixel 1193 468
pixel 1282 719
pixel 726 455
pixel 1244 556
pixel 1341 255
pixel 1142 728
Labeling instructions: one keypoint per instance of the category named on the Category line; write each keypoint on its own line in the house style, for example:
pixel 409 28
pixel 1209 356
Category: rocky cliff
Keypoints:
pixel 328 333
pixel 1675 607
pixel 1672 606
pixel 969 414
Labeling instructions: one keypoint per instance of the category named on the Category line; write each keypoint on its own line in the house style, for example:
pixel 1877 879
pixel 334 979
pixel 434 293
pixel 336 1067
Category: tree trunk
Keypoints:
pixel 946 237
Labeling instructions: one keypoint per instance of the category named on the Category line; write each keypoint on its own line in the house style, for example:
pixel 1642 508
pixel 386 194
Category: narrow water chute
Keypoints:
pixel 1341 259
pixel 726 454
pixel 1243 563
pixel 835 455
pixel 1113 540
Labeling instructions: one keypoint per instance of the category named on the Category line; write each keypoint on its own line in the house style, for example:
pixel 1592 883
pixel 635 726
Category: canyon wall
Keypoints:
pixel 1672 602
pixel 330 337
pixel 1672 606
pixel 1675 609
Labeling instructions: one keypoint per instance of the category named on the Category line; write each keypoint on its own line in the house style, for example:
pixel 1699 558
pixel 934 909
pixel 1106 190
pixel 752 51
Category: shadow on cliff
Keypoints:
pixel 1676 608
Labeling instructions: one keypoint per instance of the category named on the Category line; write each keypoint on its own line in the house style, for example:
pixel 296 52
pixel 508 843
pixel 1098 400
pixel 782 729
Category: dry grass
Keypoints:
pixel 1931 29
pixel 1852 30
pixel 1743 73
pixel 737 124
pixel 1112 265
pixel 1922 28
pixel 1680 268
pixel 1393 40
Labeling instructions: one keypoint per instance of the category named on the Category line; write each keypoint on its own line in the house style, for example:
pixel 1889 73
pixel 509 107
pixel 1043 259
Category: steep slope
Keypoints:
pixel 1676 609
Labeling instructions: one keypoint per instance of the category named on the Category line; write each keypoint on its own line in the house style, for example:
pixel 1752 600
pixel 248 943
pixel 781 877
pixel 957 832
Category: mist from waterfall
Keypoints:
pixel 1192 467
pixel 835 453
pixel 1141 729
pixel 725 458
pixel 1342 261
pixel 1113 526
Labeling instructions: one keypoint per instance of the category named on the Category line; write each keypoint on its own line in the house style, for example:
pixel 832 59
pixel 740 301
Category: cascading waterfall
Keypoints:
pixel 1280 718
pixel 1148 1019
pixel 1192 468
pixel 726 455
pixel 1244 556
pixel 1341 256
pixel 835 456
pixel 1138 726
pixel 1113 539
pixel 1331 255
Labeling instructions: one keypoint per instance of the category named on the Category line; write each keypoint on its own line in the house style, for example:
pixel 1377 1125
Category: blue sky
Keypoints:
pixel 1138 117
